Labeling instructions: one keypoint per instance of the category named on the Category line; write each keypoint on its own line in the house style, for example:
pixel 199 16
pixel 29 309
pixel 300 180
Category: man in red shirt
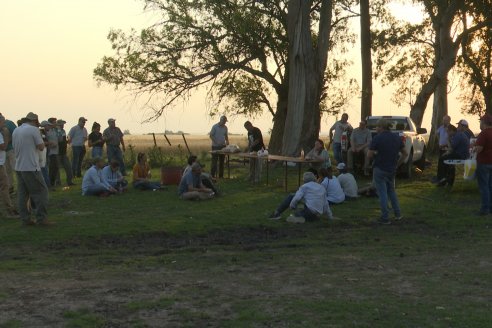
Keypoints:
pixel 483 147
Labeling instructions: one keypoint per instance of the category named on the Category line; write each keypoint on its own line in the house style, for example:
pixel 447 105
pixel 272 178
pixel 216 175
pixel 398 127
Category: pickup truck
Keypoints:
pixel 414 139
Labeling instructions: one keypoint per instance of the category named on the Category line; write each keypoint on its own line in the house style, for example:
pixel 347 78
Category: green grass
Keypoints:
pixel 148 259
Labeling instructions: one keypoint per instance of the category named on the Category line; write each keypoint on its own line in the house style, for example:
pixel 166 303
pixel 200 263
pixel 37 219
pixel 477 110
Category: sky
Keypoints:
pixel 49 51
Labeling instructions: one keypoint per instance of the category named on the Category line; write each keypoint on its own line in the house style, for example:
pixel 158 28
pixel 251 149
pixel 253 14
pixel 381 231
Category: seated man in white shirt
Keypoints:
pixel 314 198
pixel 93 183
pixel 334 191
pixel 112 175
pixel 347 182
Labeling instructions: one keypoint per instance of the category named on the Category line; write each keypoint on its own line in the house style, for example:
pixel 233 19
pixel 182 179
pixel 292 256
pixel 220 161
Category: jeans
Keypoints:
pixel 97 152
pixel 146 185
pixel 337 152
pixel 484 179
pixel 306 213
pixel 94 191
pixel 64 162
pixel 220 158
pixel 54 169
pixel 384 182
pixel 115 154
pixel 78 153
pixel 31 185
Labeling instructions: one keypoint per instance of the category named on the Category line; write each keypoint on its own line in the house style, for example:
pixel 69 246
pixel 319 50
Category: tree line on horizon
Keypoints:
pixel 289 57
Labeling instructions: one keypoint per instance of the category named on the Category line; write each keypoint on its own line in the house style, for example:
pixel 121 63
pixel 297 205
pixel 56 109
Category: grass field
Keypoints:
pixel 147 259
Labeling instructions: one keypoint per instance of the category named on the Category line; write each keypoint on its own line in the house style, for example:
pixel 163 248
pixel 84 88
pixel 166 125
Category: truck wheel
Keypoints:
pixel 421 162
pixel 407 168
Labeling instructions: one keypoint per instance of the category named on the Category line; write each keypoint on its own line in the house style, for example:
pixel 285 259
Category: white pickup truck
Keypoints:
pixel 415 140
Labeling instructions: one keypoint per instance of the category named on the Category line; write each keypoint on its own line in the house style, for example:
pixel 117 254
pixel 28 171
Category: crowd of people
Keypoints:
pixel 36 152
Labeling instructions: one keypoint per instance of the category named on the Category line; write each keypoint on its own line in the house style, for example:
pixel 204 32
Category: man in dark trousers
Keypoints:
pixel 388 152
pixel 255 143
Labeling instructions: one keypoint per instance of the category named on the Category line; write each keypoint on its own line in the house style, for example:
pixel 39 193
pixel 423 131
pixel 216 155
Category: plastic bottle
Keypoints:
pixel 302 153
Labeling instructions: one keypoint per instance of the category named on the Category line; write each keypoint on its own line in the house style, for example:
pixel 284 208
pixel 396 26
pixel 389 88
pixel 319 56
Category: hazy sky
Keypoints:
pixel 50 48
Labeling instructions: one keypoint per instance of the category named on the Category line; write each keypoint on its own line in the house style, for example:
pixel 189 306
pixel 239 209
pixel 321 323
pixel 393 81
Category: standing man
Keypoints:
pixel 52 137
pixel 459 148
pixel 7 131
pixel 63 161
pixel 360 139
pixel 77 136
pixel 255 143
pixel 442 134
pixel 6 208
pixel 27 143
pixel 220 139
pixel 462 126
pixel 385 149
pixel 113 138
pixel 336 138
pixel 483 147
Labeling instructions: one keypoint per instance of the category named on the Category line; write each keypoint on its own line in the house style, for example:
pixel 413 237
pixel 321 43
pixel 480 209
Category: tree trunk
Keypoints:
pixel 439 109
pixel 307 66
pixel 366 60
pixel 275 144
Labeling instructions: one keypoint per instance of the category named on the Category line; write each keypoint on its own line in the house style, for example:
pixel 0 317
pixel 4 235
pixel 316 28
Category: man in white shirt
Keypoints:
pixel 315 203
pixel 6 208
pixel 27 141
pixel 220 139
pixel 93 183
pixel 334 191
pixel 347 182
pixel 77 136
pixel 336 138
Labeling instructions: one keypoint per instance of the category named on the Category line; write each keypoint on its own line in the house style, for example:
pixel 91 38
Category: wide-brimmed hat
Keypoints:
pixel 31 116
pixel 60 122
pixel 45 123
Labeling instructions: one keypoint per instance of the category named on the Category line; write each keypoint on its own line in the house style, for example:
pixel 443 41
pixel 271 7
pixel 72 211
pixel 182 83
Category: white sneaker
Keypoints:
pixel 295 219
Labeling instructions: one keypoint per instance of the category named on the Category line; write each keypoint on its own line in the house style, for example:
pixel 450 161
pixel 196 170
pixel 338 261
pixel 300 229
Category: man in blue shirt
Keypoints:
pixel 388 151
pixel 191 186
pixel 93 183
pixel 460 144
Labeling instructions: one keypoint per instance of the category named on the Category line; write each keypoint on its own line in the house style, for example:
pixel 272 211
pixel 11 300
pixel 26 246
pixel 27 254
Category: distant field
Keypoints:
pixel 197 143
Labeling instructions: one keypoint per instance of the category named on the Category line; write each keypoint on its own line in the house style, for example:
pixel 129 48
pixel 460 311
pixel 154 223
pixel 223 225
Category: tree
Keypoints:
pixel 366 59
pixel 237 49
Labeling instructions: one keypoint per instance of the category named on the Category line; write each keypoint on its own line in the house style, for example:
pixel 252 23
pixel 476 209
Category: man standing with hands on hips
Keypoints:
pixel 385 149
pixel 113 138
pixel 220 139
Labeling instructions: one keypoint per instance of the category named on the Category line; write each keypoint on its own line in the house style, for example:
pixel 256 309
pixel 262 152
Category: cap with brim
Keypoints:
pixel 223 117
pixel 341 166
pixel 31 116
pixel 111 120
pixel 61 122
pixel 82 119
pixel 45 123
pixel 462 122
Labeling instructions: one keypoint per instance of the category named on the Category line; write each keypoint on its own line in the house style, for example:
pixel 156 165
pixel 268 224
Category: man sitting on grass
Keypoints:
pixel 315 204
pixel 191 186
pixel 93 183
pixel 112 175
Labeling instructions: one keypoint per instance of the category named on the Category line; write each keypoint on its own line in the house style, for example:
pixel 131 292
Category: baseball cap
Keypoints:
pixel 111 120
pixel 223 117
pixel 462 122
pixel 341 166
pixel 82 119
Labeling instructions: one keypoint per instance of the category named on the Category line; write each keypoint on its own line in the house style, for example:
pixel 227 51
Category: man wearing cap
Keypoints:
pixel 113 137
pixel 459 148
pixel 220 139
pixel 483 148
pixel 6 208
pixel 385 149
pixel 315 203
pixel 347 182
pixel 52 147
pixel 360 139
pixel 77 136
pixel 462 126
pixel 27 142
pixel 63 161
